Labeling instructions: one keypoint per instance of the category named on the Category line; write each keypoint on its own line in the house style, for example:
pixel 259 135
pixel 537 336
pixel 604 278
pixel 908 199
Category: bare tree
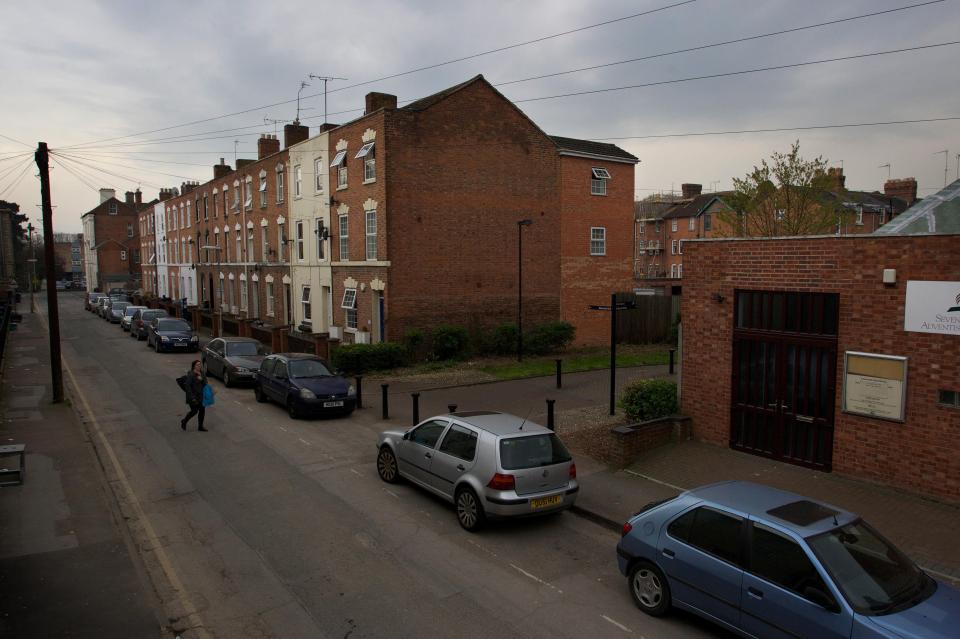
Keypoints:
pixel 785 197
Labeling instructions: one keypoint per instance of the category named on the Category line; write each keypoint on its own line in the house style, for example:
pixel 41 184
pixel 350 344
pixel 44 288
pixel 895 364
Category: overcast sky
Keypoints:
pixel 79 72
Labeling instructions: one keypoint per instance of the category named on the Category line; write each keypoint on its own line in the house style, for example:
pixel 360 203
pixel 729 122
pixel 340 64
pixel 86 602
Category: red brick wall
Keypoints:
pixel 110 232
pixel 587 279
pixel 918 455
pixel 462 174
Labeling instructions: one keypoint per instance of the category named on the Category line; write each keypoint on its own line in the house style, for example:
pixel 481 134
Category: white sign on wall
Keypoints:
pixel 932 307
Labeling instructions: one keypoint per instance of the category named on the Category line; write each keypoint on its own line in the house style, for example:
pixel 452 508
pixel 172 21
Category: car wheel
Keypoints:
pixel 387 466
pixel 258 393
pixel 226 379
pixel 649 589
pixel 292 409
pixel 469 510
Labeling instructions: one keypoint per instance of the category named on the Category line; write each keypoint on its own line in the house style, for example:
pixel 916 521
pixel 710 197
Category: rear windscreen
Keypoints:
pixel 532 451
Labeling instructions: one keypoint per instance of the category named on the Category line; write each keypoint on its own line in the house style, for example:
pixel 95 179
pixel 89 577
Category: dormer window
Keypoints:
pixel 598 181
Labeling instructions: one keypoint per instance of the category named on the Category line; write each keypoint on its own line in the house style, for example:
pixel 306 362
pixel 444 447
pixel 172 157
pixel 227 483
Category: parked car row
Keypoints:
pixel 161 332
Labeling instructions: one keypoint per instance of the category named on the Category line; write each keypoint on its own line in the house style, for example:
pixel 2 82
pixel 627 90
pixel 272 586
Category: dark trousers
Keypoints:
pixel 196 409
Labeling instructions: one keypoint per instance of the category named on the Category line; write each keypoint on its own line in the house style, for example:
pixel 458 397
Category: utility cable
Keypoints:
pixel 10 170
pixel 7 137
pixel 13 185
pixel 123 166
pixel 742 72
pixel 75 175
pixel 111 173
pixel 396 75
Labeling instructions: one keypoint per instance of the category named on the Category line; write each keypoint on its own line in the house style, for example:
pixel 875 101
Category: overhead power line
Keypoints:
pixel 81 179
pixel 16 182
pixel 123 166
pixel 779 67
pixel 7 137
pixel 105 171
pixel 396 75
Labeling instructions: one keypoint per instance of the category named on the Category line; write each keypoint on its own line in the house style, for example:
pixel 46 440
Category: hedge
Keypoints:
pixel 356 359
pixel 649 399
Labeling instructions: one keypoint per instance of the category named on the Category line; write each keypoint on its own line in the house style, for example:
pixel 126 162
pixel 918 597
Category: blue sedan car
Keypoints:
pixel 763 562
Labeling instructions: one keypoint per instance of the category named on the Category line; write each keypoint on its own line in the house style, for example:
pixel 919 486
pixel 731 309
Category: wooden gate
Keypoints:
pixel 784 375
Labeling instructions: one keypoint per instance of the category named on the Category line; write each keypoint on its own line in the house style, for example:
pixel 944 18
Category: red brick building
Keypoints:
pixel 427 205
pixel 111 231
pixel 766 326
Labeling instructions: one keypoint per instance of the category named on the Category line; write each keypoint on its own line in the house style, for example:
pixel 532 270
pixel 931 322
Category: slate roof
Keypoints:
pixel 589 147
pixel 652 210
pixel 870 201
pixel 938 214
pixel 693 207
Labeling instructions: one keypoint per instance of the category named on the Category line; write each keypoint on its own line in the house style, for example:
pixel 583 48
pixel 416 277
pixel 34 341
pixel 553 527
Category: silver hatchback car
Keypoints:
pixel 488 464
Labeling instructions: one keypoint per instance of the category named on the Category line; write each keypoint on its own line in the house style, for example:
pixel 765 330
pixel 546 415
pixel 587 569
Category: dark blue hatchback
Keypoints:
pixel 304 385
pixel 763 562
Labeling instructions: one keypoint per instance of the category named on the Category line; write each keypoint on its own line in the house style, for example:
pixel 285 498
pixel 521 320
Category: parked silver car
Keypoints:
pixel 128 316
pixel 488 464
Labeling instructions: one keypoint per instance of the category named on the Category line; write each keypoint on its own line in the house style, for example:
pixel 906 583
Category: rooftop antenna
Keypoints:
pixel 887 167
pixel 274 123
pixel 715 188
pixel 324 79
pixel 303 84
pixel 236 143
pixel 945 158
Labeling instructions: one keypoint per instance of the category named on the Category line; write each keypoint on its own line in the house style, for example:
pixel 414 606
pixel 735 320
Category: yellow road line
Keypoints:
pixel 195 622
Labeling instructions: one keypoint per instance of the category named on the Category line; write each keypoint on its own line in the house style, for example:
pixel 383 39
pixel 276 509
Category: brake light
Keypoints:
pixel 573 470
pixel 626 529
pixel 502 482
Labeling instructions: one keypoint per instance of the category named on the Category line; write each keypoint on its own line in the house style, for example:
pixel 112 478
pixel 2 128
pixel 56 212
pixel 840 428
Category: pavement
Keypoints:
pixel 69 569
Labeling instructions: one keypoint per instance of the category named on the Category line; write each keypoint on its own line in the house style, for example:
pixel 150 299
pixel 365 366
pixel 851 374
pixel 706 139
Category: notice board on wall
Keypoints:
pixel 875 385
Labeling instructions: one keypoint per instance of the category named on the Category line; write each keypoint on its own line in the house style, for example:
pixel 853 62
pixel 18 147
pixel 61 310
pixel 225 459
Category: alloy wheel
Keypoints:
pixel 468 510
pixel 387 465
pixel 647 588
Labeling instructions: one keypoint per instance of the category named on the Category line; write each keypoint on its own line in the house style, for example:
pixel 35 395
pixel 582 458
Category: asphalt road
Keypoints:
pixel 269 527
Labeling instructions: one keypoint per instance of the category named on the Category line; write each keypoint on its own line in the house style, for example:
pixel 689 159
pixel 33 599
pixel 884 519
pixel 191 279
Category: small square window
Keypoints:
pixel 364 150
pixel 601 174
pixel 692 225
pixel 349 298
pixel 598 241
pixel 949 398
pixel 598 187
pixel 673 225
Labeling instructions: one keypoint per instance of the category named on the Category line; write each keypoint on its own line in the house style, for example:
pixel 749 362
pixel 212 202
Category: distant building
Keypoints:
pixel 112 249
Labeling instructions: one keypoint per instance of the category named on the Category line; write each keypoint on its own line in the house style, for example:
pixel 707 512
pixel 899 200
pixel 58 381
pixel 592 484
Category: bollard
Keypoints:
pixel 550 423
pixel 416 408
pixel 451 408
pixel 672 351
pixel 385 401
pixel 559 369
pixel 359 379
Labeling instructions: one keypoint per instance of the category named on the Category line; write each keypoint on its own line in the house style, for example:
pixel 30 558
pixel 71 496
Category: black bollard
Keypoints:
pixel 385 401
pixel 416 408
pixel 672 351
pixel 359 379
pixel 451 408
pixel 559 370
pixel 550 423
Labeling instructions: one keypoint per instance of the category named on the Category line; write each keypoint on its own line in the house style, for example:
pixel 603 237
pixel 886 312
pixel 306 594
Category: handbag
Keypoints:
pixel 182 382
pixel 207 395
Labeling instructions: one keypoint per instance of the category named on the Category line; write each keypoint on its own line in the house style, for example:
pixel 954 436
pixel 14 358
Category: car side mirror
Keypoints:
pixel 820 598
pixel 406 436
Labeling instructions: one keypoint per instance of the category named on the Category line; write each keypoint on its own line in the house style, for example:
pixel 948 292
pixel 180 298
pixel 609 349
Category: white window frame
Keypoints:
pixel 243 295
pixel 318 231
pixel 300 241
pixel 123 255
pixel 112 209
pixel 318 170
pixel 248 196
pixel 598 180
pixel 297 181
pixel 251 249
pixel 370 222
pixel 279 184
pixel 368 153
pixel 130 232
pixel 673 225
pixel 673 247
pixel 236 197
pixel 598 241
pixel 305 305
pixel 680 247
pixel 692 225
pixel 270 309
pixel 342 177
pixel 859 216
pixel 680 270
pixel 343 232
pixel 265 242
pixel 281 242
pixel 263 189
pixel 349 306
pixel 673 271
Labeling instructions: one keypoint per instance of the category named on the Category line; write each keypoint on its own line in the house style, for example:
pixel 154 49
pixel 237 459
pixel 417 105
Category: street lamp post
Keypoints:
pixel 520 225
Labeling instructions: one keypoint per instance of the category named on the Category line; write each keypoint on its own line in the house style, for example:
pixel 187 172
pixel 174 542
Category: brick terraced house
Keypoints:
pixel 112 254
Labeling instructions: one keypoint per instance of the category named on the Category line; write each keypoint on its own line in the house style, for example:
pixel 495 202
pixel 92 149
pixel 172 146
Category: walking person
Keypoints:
pixel 194 388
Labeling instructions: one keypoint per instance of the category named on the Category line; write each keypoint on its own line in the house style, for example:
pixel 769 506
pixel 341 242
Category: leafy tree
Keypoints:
pixel 785 197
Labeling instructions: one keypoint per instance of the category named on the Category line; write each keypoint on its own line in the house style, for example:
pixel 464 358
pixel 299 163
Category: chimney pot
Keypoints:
pixel 138 197
pixel 221 170
pixel 905 189
pixel 690 190
pixel 294 133
pixel 837 179
pixel 267 145
pixel 376 101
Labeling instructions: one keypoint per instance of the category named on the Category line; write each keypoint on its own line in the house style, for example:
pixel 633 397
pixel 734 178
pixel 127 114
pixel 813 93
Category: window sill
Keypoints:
pixel 598 255
pixel 372 181
pixel 599 194
pixel 342 188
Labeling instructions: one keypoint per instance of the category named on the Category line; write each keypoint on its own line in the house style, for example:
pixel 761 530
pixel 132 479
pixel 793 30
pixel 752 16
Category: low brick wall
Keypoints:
pixel 614 441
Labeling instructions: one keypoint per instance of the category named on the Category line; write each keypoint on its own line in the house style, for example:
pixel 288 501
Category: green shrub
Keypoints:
pixel 649 399
pixel 415 342
pixel 549 338
pixel 450 342
pixel 502 340
pixel 356 359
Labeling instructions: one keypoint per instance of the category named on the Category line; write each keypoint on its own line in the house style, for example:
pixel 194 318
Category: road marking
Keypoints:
pixel 486 550
pixel 656 481
pixel 535 578
pixel 196 623
pixel 284 429
pixel 356 472
pixel 391 493
pixel 237 403
pixel 618 625
pixel 303 441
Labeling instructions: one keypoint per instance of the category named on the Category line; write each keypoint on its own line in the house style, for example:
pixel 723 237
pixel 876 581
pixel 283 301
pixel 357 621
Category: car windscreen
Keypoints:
pixel 244 349
pixel 172 325
pixel 532 451
pixel 307 368
pixel 130 310
pixel 874 576
pixel 119 306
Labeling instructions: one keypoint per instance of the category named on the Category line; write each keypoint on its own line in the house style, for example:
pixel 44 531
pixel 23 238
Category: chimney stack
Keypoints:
pixel 242 162
pixel 837 182
pixel 691 191
pixel 221 170
pixel 138 197
pixel 376 101
pixel 186 187
pixel 294 133
pixel 905 189
pixel 128 197
pixel 165 194
pixel 106 194
pixel 326 126
pixel 268 144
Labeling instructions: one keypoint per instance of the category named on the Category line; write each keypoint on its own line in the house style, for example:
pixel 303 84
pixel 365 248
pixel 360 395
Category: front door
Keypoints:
pixel 784 376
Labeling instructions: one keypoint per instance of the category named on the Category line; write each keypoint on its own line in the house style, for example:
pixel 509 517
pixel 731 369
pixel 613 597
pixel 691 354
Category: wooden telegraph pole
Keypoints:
pixel 53 313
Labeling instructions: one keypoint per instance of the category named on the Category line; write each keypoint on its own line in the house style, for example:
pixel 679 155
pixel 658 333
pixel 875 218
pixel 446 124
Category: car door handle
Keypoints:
pixel 428 456
pixel 753 592
pixel 460 467
pixel 668 553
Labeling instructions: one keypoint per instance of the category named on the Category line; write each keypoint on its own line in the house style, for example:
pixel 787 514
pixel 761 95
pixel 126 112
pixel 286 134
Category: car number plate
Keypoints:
pixel 180 344
pixel 333 404
pixel 545 502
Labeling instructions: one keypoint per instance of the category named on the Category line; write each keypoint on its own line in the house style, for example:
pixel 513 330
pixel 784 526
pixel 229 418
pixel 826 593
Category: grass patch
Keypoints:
pixel 574 363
